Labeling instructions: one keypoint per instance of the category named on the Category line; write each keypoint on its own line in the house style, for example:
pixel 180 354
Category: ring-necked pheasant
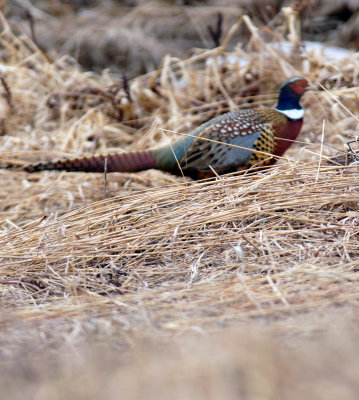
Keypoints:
pixel 259 133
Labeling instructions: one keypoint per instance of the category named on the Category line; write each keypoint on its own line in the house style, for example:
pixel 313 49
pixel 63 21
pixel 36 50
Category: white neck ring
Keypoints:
pixel 293 114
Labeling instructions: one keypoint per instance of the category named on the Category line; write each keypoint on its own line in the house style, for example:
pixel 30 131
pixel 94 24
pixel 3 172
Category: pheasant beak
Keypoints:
pixel 310 88
pixel 317 86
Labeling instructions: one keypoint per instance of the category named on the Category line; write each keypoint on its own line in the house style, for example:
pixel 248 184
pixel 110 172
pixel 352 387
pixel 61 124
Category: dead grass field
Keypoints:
pixel 245 287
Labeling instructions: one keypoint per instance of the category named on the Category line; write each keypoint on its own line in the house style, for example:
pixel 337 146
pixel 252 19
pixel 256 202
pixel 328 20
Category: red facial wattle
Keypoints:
pixel 299 87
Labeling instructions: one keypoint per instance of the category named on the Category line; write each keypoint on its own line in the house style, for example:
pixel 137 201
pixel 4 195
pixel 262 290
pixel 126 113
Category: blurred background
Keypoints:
pixel 132 36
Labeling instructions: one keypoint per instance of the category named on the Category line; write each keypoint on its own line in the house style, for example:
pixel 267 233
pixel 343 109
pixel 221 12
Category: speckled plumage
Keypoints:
pixel 248 137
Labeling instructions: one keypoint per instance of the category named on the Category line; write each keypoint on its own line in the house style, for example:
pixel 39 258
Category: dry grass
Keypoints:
pixel 162 266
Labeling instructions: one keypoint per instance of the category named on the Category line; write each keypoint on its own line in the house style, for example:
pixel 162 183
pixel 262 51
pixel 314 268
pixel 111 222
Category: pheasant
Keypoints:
pixel 230 142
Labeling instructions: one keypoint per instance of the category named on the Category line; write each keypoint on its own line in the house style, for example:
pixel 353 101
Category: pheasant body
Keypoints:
pixel 227 143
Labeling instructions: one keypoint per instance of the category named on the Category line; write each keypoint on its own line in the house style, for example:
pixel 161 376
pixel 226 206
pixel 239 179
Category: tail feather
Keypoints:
pixel 125 162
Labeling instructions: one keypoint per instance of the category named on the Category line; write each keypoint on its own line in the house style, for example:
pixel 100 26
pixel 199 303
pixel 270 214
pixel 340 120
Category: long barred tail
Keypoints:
pixel 126 162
